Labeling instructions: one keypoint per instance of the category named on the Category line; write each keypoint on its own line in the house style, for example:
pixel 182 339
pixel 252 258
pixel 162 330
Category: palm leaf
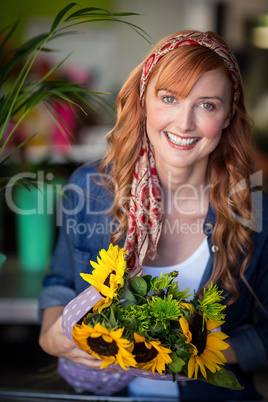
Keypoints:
pixel 60 16
pixel 9 34
pixel 25 95
pixel 21 145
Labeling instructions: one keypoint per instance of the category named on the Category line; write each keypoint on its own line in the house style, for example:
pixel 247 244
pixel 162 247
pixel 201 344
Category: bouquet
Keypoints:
pixel 146 326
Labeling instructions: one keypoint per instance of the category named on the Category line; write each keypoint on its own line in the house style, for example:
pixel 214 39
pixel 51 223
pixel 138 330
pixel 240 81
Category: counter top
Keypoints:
pixel 19 293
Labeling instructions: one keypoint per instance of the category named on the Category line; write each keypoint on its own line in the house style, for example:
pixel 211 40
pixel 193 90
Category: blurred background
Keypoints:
pixel 104 53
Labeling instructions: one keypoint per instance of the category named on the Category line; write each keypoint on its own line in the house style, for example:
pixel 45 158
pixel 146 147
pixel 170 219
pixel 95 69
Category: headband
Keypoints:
pixel 193 38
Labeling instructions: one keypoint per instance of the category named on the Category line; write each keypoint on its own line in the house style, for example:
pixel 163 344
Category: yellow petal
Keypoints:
pixel 214 356
pixel 107 338
pixel 201 365
pixel 138 338
pixel 191 365
pixel 216 343
pixel 185 329
pixel 219 334
pixel 196 367
pixel 210 365
pixel 212 325
pixel 188 306
pixel 106 363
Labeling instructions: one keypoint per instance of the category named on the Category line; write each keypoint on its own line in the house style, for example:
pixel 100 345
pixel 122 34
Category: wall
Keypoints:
pixel 112 52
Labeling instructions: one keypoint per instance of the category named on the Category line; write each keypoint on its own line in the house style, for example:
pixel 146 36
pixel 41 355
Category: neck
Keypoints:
pixel 184 189
pixel 173 177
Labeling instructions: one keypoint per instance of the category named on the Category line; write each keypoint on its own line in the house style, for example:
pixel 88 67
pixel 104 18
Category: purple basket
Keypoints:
pixel 83 378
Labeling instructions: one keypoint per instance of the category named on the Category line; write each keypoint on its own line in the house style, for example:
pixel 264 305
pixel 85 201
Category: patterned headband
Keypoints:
pixel 193 38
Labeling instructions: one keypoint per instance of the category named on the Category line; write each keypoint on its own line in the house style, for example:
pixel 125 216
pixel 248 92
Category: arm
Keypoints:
pixel 71 256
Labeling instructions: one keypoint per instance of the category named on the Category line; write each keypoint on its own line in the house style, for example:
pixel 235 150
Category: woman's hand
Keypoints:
pixel 54 342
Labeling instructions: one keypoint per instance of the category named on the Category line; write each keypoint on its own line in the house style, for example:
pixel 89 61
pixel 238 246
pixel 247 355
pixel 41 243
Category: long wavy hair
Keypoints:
pixel 230 164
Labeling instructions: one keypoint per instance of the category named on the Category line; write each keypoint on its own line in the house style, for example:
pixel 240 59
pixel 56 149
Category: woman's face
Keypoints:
pixel 183 132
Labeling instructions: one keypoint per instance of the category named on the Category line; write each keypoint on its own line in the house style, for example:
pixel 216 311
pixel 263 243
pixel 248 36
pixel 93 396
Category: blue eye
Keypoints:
pixel 208 106
pixel 169 99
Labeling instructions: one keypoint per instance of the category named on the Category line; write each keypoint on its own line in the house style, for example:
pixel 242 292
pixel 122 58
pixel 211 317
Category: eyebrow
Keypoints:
pixel 212 97
pixel 167 90
pixel 201 98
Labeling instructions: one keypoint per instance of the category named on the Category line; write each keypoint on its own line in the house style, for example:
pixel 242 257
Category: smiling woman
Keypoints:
pixel 178 177
pixel 193 123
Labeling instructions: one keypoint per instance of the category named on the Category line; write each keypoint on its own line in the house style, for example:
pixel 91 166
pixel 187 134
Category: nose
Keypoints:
pixel 185 118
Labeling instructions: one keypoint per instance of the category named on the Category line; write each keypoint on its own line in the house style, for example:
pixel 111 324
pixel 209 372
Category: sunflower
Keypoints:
pixel 150 355
pixel 206 345
pixel 109 346
pixel 107 276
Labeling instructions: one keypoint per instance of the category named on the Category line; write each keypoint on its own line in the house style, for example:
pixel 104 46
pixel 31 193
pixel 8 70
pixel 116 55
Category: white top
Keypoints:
pixel 190 270
pixel 190 274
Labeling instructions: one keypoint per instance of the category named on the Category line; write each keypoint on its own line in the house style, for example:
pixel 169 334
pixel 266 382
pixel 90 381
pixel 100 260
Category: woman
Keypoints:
pixel 176 181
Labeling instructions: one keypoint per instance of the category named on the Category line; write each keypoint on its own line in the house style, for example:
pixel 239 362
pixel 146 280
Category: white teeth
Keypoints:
pixel 181 141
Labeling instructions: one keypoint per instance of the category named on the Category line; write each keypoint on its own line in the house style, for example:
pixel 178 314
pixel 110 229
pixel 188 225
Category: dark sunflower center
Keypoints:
pixel 142 354
pixel 107 280
pixel 98 345
pixel 199 336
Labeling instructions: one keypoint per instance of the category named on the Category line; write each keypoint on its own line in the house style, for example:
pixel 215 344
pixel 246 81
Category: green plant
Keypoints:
pixel 24 94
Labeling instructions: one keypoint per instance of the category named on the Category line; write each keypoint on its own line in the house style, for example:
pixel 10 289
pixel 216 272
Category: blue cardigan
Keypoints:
pixel 85 228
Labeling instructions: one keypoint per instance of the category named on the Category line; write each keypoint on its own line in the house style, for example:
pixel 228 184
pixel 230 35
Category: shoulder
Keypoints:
pixel 88 178
pixel 86 172
pixel 86 186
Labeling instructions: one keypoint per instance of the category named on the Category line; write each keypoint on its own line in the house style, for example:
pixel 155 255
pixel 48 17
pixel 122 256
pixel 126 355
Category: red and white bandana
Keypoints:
pixel 145 211
pixel 193 38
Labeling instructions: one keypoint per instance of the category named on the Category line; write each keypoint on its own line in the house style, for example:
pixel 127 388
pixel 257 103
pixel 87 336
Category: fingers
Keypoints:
pixel 111 370
pixel 80 356
pixel 84 358
pixel 54 341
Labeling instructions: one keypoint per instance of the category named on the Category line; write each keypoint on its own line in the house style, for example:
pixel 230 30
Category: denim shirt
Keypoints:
pixel 85 228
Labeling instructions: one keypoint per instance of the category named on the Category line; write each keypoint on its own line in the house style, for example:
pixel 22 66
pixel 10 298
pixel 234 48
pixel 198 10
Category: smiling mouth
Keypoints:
pixel 185 142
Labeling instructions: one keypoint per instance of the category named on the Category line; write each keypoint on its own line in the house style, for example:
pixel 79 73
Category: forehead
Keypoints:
pixel 210 83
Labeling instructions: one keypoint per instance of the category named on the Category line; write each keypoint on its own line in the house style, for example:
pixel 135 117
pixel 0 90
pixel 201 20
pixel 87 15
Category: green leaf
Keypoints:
pixel 9 34
pixel 222 378
pixel 177 363
pixel 157 329
pixel 182 352
pixel 128 298
pixel 88 11
pixel 17 148
pixel 23 96
pixel 112 318
pixel 147 279
pixel 138 286
pixel 60 16
pixel 129 323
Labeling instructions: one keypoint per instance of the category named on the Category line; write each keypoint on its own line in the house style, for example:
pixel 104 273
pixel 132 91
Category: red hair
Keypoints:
pixel 229 163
